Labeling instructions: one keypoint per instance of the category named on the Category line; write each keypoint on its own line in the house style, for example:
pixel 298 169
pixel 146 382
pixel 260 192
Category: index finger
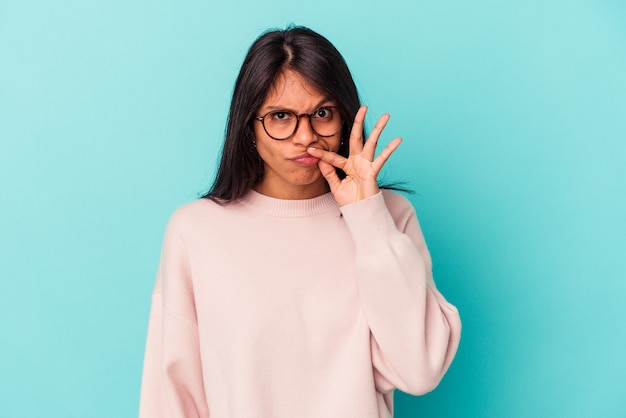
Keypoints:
pixel 330 157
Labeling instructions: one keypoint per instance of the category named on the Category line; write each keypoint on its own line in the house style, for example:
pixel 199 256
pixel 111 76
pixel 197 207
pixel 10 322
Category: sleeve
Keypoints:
pixel 172 384
pixel 415 332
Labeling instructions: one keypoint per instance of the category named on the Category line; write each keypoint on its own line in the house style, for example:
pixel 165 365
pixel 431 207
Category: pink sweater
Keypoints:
pixel 294 308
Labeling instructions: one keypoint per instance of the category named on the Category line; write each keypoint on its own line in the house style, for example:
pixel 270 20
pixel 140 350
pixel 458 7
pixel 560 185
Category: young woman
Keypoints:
pixel 295 287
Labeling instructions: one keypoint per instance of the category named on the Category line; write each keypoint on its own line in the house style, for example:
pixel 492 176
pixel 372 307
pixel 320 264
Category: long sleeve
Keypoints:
pixel 415 332
pixel 172 384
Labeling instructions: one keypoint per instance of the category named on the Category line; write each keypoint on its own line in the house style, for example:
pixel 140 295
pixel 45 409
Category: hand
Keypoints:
pixel 361 167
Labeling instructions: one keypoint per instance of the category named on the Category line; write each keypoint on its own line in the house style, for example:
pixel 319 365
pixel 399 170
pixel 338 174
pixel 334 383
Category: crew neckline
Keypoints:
pixel 287 208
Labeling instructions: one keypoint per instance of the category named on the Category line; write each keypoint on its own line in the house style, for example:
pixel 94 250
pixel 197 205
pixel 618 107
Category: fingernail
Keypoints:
pixel 312 148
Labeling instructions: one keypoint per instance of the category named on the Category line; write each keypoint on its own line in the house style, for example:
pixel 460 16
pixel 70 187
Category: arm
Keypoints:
pixel 172 384
pixel 414 331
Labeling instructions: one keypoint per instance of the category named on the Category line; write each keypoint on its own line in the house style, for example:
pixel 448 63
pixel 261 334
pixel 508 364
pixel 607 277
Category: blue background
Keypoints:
pixel 514 120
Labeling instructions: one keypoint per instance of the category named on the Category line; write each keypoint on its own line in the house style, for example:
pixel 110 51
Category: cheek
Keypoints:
pixel 265 153
pixel 334 143
pixel 267 150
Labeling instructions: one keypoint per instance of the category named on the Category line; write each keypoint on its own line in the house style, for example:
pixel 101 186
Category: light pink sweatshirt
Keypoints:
pixel 294 308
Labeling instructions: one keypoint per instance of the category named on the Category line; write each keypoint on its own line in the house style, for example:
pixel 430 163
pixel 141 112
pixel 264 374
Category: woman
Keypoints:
pixel 295 288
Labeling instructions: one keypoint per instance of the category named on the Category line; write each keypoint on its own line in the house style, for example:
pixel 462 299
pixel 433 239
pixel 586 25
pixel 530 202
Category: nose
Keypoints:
pixel 304 134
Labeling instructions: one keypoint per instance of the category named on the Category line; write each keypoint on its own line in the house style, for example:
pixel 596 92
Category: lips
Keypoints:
pixel 305 159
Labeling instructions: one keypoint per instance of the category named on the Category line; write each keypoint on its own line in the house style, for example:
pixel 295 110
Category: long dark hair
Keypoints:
pixel 296 48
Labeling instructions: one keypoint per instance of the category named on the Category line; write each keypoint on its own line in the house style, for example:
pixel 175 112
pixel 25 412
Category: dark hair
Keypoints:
pixel 296 48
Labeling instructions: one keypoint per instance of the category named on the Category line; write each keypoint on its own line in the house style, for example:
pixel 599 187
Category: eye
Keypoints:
pixel 323 113
pixel 280 116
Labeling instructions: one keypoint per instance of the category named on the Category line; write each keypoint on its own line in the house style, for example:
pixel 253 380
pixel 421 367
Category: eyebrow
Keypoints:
pixel 322 103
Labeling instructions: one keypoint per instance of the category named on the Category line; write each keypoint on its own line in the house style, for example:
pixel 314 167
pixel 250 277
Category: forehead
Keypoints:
pixel 291 90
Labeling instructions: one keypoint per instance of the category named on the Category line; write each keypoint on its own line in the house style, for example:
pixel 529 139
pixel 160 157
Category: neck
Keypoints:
pixel 294 193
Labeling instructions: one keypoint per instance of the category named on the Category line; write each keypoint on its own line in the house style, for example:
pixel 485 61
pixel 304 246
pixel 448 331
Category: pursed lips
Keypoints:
pixel 305 159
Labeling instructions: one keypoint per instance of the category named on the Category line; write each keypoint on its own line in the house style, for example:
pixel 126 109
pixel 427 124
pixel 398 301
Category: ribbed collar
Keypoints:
pixel 291 208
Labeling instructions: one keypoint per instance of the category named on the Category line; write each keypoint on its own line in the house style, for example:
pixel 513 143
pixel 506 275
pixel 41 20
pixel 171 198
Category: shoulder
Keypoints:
pixel 395 199
pixel 399 206
pixel 193 215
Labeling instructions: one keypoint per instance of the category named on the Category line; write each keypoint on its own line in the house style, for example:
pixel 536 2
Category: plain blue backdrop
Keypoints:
pixel 513 116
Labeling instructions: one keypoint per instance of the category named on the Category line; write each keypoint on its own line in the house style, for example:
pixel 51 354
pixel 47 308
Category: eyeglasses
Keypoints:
pixel 282 124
